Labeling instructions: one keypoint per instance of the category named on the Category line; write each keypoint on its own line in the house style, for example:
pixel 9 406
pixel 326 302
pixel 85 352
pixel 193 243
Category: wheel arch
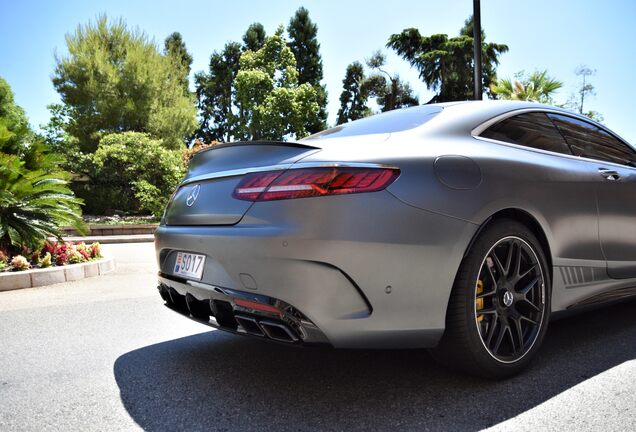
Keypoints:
pixel 528 220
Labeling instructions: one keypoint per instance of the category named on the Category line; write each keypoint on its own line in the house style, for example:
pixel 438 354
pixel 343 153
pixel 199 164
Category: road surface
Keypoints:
pixel 104 354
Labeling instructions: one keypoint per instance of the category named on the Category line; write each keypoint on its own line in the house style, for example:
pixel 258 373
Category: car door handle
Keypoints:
pixel 609 174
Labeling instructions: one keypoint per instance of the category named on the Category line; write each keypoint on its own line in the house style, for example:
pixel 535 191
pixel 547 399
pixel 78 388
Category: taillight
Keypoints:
pixel 313 182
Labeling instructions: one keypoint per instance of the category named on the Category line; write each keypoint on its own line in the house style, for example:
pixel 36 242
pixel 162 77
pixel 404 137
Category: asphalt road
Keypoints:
pixel 104 354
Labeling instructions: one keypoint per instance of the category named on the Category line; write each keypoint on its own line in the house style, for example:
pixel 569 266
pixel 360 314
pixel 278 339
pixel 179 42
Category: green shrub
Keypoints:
pixel 132 164
pixel 99 199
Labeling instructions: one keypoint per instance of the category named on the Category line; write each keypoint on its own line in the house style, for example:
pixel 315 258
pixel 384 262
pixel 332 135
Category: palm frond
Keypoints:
pixel 35 203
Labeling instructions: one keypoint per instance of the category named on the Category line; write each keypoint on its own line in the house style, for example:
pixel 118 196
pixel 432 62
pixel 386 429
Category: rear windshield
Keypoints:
pixel 392 121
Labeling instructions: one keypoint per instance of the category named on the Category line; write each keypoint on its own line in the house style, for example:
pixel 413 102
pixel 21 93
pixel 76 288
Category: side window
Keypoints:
pixel 531 130
pixel 589 141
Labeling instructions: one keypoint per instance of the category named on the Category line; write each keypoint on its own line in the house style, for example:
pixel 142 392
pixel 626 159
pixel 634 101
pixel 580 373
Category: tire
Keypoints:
pixel 498 310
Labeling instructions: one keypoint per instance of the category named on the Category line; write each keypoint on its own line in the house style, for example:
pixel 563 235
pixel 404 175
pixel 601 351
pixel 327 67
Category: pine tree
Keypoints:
pixel 304 44
pixel 216 95
pixel 254 37
pixel 389 90
pixel 215 90
pixel 114 79
pixel 175 48
pixel 353 99
pixel 446 63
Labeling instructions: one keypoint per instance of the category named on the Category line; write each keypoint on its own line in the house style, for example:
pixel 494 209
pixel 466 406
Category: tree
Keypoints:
pixel 139 170
pixel 304 44
pixel 388 90
pixel 14 126
pixel 353 99
pixel 446 63
pixel 586 89
pixel 576 101
pixel 271 104
pixel 391 93
pixel 536 87
pixel 175 49
pixel 216 95
pixel 254 38
pixel 223 117
pixel 114 79
pixel 35 200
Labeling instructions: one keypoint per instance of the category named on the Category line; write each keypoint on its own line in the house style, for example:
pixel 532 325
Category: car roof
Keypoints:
pixel 463 117
pixel 450 119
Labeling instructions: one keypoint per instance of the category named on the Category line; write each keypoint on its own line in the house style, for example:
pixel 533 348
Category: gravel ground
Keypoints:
pixel 104 354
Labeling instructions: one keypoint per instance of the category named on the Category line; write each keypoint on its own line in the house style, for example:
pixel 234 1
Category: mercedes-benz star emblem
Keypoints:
pixel 193 195
pixel 508 298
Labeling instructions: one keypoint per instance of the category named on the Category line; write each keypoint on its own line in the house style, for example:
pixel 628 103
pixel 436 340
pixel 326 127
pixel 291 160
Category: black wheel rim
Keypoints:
pixel 509 299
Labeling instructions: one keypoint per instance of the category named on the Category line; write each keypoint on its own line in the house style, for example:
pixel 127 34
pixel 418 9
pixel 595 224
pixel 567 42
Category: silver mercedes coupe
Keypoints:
pixel 462 227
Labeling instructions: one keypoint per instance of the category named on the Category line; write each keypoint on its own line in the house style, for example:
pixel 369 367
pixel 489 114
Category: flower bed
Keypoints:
pixel 52 254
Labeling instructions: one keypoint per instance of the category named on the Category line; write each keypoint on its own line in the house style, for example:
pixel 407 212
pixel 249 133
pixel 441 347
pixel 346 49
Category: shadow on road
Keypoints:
pixel 224 382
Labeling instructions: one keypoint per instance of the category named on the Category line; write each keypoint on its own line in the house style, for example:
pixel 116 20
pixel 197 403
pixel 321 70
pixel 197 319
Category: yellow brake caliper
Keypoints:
pixel 479 303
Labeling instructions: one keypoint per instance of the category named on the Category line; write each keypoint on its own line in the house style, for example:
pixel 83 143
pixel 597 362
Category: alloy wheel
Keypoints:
pixel 509 299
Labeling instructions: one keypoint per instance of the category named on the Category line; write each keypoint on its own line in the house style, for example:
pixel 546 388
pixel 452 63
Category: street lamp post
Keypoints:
pixel 477 48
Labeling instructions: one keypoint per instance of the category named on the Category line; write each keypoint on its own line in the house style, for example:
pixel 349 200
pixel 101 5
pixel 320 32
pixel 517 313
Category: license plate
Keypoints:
pixel 190 265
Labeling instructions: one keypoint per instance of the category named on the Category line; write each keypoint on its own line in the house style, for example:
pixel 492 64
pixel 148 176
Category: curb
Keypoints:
pixel 135 238
pixel 95 230
pixel 54 275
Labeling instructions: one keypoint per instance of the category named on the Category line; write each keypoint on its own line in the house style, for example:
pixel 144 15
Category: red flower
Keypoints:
pixel 48 247
pixel 96 250
pixel 61 258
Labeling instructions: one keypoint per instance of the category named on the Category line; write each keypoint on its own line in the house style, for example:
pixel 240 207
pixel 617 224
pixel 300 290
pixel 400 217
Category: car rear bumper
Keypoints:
pixel 239 312
pixel 351 278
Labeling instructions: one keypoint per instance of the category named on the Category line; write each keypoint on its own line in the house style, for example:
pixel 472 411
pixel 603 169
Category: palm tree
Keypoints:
pixel 34 204
pixel 536 87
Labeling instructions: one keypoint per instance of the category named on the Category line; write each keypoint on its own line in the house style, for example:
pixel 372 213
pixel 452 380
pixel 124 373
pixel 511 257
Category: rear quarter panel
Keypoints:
pixel 557 191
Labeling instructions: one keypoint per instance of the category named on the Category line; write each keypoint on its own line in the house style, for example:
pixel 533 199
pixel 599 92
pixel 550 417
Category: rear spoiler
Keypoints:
pixel 245 155
pixel 263 142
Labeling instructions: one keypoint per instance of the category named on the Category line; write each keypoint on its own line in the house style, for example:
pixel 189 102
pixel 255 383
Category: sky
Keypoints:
pixel 557 35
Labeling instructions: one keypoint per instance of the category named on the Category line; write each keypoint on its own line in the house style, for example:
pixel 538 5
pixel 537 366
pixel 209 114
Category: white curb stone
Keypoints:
pixel 73 273
pixel 47 276
pixel 106 266
pixel 53 275
pixel 16 281
pixel 90 271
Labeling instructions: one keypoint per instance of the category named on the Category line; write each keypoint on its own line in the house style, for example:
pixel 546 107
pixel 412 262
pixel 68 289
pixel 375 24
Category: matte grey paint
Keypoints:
pixel 617 226
pixel 333 257
pixel 457 172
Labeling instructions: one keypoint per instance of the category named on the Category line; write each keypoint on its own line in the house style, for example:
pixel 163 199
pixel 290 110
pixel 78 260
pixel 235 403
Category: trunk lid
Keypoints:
pixel 205 195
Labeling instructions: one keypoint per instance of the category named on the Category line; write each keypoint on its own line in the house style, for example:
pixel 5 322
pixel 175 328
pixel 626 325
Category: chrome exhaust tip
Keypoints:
pixel 250 325
pixel 278 332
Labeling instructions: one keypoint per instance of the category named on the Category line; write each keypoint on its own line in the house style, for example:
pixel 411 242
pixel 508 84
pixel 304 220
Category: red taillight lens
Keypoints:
pixel 313 182
pixel 253 185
